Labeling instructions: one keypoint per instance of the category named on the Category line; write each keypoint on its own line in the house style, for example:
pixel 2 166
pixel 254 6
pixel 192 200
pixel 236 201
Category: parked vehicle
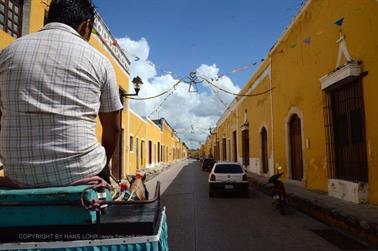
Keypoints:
pixel 279 197
pixel 228 177
pixel 208 164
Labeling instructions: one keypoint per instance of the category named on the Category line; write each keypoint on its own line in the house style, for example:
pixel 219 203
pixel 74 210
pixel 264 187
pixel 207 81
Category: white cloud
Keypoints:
pixel 190 114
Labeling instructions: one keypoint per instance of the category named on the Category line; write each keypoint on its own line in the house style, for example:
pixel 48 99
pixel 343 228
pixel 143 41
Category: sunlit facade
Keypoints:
pixel 319 120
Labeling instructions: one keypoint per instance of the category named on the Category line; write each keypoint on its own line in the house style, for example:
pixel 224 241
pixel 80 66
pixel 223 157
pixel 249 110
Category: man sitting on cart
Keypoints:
pixel 53 85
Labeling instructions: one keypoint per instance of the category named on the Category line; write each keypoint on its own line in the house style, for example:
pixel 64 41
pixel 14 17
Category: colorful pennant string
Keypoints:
pixel 237 69
pixel 340 22
pixel 307 40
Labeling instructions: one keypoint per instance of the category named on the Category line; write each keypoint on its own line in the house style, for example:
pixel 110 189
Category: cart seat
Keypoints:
pixel 47 206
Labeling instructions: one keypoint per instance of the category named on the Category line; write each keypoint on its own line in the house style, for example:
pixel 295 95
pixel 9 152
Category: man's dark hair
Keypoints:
pixel 71 12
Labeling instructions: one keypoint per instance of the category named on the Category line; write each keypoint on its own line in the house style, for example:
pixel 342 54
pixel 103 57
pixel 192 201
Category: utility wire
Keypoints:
pixel 221 101
pixel 236 94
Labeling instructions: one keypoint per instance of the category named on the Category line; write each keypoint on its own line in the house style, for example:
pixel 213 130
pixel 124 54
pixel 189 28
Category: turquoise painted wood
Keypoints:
pixel 157 242
pixel 47 215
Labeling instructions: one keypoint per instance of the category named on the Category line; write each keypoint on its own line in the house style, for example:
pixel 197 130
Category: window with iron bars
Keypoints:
pixel 11 17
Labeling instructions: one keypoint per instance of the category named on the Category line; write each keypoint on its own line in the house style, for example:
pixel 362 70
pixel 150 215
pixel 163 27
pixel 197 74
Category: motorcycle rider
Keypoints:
pixel 279 188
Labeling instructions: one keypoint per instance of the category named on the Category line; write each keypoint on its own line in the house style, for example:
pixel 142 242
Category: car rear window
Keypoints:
pixel 228 168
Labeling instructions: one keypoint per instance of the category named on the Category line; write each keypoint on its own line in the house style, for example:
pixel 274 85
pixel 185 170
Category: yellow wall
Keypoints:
pixel 147 130
pixel 258 116
pixel 37 14
pixel 122 78
pixel 137 131
pixel 303 66
pixel 5 39
pixel 154 135
pixel 167 143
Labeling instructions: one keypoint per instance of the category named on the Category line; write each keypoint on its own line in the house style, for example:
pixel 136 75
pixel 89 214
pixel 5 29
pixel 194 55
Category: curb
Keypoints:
pixel 366 231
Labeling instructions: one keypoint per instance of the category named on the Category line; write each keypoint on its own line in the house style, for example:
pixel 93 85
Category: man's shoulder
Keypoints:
pixel 100 59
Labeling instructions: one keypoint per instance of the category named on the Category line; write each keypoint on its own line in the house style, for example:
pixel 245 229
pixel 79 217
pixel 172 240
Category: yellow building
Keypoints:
pixel 137 143
pixel 319 121
pixel 29 16
pixel 152 143
pixel 172 148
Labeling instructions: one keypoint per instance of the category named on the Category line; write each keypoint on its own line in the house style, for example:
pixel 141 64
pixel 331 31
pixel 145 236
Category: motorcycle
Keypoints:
pixel 278 192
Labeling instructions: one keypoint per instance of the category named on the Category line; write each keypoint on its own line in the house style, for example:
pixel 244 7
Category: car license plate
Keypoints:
pixel 229 186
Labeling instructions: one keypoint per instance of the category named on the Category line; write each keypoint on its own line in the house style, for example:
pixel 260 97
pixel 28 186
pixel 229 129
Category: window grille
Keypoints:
pixel 345 132
pixel 11 17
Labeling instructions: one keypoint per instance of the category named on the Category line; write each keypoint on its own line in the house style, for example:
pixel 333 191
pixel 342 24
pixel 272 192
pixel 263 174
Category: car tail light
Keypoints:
pixel 212 177
pixel 245 178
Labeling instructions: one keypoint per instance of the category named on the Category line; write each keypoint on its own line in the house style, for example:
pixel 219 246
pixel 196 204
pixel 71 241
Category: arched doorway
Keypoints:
pixel 296 158
pixel 264 150
pixel 245 147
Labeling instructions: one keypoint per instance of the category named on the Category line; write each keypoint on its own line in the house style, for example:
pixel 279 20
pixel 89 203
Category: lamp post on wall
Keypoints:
pixel 137 82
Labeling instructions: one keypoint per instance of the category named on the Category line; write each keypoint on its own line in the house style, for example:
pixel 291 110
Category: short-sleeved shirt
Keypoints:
pixel 53 84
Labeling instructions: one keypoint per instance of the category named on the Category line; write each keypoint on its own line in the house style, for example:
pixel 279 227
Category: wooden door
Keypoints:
pixel 137 152
pixel 264 150
pixel 217 151
pixel 224 150
pixel 245 146
pixel 142 154
pixel 150 152
pixel 235 146
pixel 295 134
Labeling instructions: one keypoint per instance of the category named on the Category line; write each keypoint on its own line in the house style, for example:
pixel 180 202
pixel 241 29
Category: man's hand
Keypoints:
pixel 111 131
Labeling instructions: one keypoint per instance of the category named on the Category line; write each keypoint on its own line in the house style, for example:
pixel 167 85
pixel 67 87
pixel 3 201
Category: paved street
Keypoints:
pixel 197 222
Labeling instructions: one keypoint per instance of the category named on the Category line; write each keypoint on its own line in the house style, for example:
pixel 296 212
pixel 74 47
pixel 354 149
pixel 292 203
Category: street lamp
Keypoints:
pixel 137 81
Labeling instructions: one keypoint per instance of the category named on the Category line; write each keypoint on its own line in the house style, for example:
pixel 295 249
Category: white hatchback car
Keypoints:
pixel 228 176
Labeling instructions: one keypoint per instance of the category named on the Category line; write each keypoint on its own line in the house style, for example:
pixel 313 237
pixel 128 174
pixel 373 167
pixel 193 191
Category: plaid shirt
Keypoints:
pixel 53 84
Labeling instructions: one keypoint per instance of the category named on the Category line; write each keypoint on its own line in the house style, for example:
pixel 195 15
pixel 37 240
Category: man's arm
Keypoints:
pixel 111 131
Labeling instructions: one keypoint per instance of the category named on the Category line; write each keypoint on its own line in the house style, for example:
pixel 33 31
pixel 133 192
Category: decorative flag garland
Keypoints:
pixel 340 22
pixel 193 80
pixel 307 40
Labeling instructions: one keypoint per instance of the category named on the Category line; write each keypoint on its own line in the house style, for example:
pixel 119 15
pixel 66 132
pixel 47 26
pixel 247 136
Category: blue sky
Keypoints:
pixel 184 34
pixel 211 37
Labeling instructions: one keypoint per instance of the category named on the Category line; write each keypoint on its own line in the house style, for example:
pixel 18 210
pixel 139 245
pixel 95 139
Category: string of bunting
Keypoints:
pixel 308 40
pixel 161 70
pixel 193 129
pixel 158 107
pixel 173 87
pixel 237 94
pixel 219 98
pixel 221 101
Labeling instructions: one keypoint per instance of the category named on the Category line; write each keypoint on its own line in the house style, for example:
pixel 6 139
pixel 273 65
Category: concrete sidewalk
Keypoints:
pixel 361 220
pixel 152 172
